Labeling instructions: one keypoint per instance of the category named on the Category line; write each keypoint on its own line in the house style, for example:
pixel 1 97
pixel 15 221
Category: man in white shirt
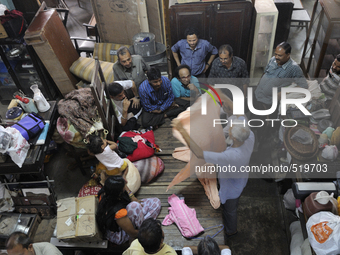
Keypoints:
pixel 19 243
pixel 128 108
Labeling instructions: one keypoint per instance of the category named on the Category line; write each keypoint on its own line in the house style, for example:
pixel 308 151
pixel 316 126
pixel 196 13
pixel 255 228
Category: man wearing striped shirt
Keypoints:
pixel 157 100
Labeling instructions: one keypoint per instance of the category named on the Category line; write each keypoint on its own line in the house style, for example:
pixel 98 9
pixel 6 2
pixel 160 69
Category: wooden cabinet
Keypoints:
pixel 323 39
pixel 52 43
pixel 218 22
pixel 264 34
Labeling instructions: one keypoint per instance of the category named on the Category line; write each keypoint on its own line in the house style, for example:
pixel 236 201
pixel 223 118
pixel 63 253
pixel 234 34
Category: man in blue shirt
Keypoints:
pixel 184 85
pixel 193 52
pixel 157 100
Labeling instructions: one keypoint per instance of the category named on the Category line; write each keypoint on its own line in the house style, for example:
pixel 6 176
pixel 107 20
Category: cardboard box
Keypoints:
pixel 3 33
pixel 76 219
pixel 87 229
pixel 66 218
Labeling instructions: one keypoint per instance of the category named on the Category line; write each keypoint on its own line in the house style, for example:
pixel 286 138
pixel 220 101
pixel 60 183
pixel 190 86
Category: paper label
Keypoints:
pixel 68 222
pixel 81 212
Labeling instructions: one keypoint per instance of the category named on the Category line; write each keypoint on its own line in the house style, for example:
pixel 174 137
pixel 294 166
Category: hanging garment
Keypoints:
pixel 184 217
pixel 200 127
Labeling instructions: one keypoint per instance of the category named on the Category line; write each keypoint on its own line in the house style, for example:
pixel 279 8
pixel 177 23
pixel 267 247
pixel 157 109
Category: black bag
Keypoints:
pixel 14 23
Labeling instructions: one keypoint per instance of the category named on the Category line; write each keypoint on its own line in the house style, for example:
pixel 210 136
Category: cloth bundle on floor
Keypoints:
pixel 145 144
pixel 149 168
pixel 184 217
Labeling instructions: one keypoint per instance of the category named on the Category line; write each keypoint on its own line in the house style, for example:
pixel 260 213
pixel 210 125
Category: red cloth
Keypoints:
pixel 10 15
pixel 143 150
pixel 89 191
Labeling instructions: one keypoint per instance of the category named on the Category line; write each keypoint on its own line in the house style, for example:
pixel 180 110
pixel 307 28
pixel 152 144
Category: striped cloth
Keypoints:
pixel 84 68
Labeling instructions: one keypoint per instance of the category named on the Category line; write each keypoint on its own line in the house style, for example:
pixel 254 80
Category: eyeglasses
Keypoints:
pixel 224 59
pixel 186 77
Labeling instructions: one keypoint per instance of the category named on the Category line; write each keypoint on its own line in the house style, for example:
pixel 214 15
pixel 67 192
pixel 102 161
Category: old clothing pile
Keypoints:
pixel 80 109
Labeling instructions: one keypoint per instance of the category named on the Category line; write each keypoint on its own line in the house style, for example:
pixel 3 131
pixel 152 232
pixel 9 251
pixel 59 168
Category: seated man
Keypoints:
pixel 150 240
pixel 129 67
pixel 184 85
pixel 229 69
pixel 20 243
pixel 157 100
pixel 128 109
pixel 193 52
pixel 331 83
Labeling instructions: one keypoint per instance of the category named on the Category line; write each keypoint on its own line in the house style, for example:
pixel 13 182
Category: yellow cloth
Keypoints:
pixel 84 69
pixel 137 249
pixel 115 171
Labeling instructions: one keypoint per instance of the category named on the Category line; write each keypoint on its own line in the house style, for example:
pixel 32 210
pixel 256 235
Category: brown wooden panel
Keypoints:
pixel 186 15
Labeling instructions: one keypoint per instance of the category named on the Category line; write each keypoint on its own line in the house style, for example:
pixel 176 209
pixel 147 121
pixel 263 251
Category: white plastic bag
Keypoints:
pixel 19 148
pixel 330 152
pixel 323 230
pixel 5 140
pixel 3 8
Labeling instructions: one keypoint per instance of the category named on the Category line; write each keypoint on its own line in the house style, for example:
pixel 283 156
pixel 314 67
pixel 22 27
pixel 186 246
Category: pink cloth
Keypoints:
pixel 209 138
pixel 184 217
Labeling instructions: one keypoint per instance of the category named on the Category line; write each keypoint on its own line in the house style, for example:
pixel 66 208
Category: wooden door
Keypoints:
pixel 231 24
pixel 219 23
pixel 189 15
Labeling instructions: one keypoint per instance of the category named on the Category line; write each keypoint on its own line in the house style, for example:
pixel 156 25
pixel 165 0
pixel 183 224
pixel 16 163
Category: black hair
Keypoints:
pixel 338 57
pixel 18 238
pixel 154 74
pixel 224 48
pixel 122 51
pixel 286 46
pixel 179 68
pixel 111 196
pixel 208 246
pixel 115 89
pixel 95 144
pixel 150 235
pixel 190 31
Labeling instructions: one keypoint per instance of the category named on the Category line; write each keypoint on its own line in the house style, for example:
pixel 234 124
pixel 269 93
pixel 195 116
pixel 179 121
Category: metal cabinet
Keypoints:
pixel 264 35
pixel 19 69
pixel 323 39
